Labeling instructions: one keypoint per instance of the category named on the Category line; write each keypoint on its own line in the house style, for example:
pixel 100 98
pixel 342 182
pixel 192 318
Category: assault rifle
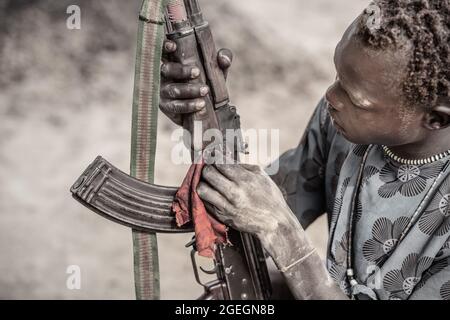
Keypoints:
pixel 241 268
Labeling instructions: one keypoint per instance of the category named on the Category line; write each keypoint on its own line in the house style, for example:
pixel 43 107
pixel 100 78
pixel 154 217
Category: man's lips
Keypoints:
pixel 333 117
pixel 338 127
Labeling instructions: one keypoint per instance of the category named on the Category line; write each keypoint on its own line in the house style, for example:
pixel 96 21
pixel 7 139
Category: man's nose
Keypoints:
pixel 333 95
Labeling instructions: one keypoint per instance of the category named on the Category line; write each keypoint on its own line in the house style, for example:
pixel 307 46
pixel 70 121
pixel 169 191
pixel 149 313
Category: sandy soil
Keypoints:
pixel 65 97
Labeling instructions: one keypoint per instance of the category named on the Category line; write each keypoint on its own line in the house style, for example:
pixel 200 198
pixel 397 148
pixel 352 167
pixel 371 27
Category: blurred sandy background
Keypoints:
pixel 65 97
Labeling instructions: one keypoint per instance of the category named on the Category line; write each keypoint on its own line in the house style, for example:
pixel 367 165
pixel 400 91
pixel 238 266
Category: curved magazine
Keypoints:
pixel 119 197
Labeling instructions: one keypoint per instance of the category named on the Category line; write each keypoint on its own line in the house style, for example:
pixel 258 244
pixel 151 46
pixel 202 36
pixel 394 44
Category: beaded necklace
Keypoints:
pixel 416 162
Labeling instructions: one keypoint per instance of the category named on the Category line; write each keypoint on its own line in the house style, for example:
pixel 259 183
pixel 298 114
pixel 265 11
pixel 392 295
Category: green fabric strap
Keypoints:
pixel 144 134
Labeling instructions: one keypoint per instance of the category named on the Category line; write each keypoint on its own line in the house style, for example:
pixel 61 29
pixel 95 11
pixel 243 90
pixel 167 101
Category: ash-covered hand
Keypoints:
pixel 245 198
pixel 178 97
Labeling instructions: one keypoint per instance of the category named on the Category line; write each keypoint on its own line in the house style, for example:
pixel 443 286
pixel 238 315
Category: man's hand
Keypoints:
pixel 179 97
pixel 245 197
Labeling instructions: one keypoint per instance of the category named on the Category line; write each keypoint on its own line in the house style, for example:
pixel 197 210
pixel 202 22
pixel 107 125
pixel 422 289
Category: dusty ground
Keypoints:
pixel 65 97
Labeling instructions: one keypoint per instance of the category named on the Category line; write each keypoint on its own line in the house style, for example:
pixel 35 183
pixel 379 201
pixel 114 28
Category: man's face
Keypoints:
pixel 366 102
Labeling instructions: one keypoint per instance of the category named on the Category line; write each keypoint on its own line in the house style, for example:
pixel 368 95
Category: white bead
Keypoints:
pixel 431 159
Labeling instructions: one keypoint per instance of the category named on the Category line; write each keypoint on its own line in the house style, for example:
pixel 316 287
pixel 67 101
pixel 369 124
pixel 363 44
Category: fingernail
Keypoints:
pixel 226 59
pixel 204 91
pixel 195 72
pixel 169 46
pixel 163 69
pixel 200 190
pixel 201 104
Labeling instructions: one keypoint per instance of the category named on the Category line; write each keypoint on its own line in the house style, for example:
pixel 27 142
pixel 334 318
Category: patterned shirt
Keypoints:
pixel 400 244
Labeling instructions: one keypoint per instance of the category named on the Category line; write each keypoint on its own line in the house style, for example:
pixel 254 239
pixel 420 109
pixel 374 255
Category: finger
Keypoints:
pixel 218 214
pixel 177 71
pixel 251 167
pixel 182 106
pixel 169 46
pixel 225 59
pixel 184 91
pixel 220 183
pixel 208 194
pixel 212 210
pixel 233 172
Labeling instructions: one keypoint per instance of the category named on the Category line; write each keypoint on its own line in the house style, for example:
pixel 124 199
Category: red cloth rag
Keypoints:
pixel 188 207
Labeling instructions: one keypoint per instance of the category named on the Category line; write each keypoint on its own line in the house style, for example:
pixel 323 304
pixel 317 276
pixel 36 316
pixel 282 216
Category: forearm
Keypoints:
pixel 309 280
pixel 301 265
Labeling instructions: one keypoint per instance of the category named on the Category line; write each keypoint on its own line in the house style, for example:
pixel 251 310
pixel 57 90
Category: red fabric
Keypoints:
pixel 188 207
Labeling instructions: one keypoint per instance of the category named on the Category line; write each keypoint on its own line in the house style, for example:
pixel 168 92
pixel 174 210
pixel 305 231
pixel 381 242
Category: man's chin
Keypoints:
pixel 355 139
pixel 338 127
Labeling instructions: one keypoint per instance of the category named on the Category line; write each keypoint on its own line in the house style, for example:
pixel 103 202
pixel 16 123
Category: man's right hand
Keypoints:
pixel 178 97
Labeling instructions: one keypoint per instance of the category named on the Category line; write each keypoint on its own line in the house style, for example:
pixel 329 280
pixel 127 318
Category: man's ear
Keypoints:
pixel 439 117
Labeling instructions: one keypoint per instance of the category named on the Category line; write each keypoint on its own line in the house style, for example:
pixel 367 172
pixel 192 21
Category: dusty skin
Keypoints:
pixel 66 98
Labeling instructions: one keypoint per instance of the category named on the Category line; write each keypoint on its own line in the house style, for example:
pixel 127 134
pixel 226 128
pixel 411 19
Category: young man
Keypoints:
pixel 375 157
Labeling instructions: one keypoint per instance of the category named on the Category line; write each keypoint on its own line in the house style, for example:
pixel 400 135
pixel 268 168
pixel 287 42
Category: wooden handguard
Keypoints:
pixel 196 47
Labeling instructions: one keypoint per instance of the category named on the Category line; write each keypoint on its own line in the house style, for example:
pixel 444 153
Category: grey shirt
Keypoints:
pixel 400 243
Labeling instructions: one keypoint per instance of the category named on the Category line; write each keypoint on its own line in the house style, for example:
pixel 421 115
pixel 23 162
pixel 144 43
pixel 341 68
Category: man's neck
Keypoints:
pixel 434 144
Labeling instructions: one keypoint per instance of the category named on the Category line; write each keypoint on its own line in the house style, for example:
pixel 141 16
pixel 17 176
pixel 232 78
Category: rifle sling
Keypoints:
pixel 144 134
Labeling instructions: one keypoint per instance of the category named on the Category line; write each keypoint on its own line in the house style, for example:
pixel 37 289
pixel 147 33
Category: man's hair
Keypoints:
pixel 426 23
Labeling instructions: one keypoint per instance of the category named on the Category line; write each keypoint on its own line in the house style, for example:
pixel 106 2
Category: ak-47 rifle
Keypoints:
pixel 241 268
